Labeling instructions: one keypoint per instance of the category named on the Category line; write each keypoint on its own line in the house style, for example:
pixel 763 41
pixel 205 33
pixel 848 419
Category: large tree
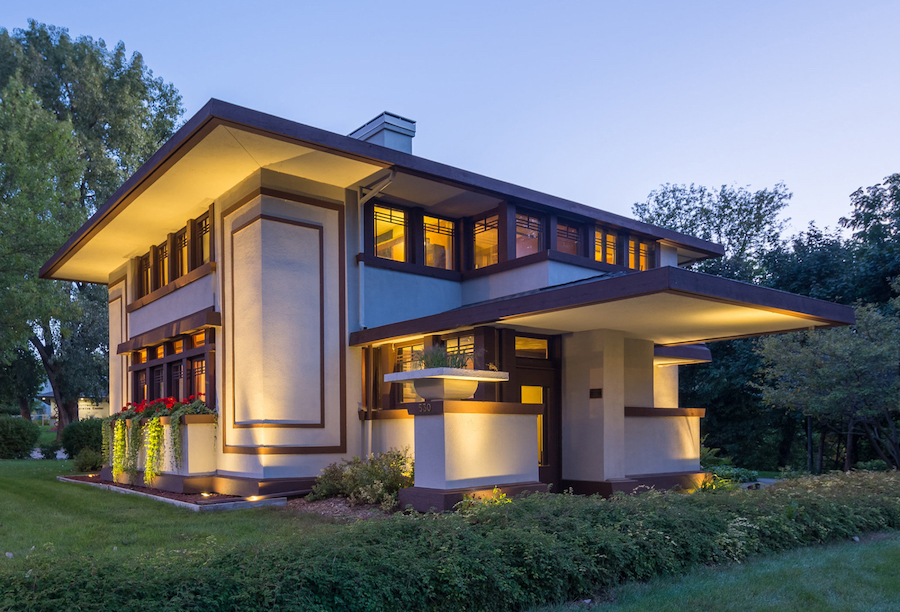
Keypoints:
pixel 77 119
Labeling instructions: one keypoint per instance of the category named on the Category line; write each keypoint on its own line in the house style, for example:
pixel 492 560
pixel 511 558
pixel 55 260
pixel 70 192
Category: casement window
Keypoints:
pixel 529 234
pixel 177 368
pixel 641 254
pixel 486 238
pixel 190 249
pixel 440 248
pixel 568 238
pixel 390 233
pixel 606 246
pixel 462 345
pixel 405 364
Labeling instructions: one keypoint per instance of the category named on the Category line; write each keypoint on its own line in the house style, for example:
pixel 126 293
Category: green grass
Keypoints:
pixel 47 436
pixel 61 518
pixel 841 577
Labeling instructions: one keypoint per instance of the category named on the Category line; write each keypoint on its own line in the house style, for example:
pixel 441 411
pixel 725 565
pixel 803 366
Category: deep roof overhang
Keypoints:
pixel 670 306
pixel 202 149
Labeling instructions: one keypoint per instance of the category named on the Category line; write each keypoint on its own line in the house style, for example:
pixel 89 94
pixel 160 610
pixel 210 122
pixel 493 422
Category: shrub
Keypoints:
pixel 729 472
pixel 88 460
pixel 875 465
pixel 49 450
pixel 87 433
pixel 17 437
pixel 373 481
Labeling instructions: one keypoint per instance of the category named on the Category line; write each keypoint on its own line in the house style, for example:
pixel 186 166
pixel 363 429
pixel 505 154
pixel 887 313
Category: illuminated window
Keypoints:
pixel 197 376
pixel 405 364
pixel 159 382
pixel 529 234
pixel 641 254
pixel 439 237
pixel 533 348
pixel 535 395
pixel 159 352
pixel 140 385
pixel 605 243
pixel 177 347
pixel 140 356
pixel 464 345
pixel 568 239
pixel 198 339
pixel 162 264
pixel 487 241
pixel 177 381
pixel 390 233
pixel 144 276
pixel 181 253
pixel 203 238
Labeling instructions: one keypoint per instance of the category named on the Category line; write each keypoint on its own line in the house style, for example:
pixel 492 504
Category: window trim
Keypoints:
pixel 206 351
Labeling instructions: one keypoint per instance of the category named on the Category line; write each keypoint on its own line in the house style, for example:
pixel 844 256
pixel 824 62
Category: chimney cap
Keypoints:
pixel 385 121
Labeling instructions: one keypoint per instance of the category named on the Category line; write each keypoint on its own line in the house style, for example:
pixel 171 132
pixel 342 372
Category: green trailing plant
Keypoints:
pixel 153 441
pixel 135 440
pixel 119 458
pixel 377 480
pixel 106 441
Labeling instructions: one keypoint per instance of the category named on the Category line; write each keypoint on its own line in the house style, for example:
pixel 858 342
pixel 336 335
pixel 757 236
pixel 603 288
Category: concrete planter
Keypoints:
pixel 198 446
pixel 446 383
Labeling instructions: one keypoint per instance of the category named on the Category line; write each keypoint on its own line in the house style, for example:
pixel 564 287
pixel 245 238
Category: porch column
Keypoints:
pixel 594 427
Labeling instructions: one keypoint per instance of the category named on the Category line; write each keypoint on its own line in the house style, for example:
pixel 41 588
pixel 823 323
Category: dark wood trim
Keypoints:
pixel 635 483
pixel 389 414
pixel 215 113
pixel 319 234
pixel 341 447
pixel 439 407
pixel 540 256
pixel 151 363
pixel 408 268
pixel 695 353
pixel 506 234
pixel 598 291
pixel 116 281
pixel 640 411
pixel 172 286
pixel 441 500
pixel 207 317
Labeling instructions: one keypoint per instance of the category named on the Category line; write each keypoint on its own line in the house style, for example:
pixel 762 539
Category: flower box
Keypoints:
pixel 446 383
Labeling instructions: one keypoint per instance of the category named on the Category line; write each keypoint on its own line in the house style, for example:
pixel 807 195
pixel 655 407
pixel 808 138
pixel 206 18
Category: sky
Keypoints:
pixel 599 102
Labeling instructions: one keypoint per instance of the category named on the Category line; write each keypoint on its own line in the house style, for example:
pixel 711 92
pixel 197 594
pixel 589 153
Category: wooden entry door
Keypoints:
pixel 541 385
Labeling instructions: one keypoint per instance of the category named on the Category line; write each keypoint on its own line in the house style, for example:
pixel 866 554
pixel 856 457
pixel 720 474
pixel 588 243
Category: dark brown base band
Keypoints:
pixel 441 500
pixel 634 484
pixel 212 483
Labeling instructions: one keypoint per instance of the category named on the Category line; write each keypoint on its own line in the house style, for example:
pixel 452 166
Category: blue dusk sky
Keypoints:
pixel 598 102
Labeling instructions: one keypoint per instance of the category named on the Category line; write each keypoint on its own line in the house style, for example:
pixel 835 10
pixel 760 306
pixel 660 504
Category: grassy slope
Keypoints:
pixel 837 578
pixel 62 518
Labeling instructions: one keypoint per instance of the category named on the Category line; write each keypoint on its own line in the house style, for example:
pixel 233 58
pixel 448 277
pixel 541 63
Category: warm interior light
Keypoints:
pixel 252 498
pixel 205 494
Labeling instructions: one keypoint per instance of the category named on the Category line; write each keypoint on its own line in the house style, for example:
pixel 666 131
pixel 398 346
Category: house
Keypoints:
pixel 88 407
pixel 283 270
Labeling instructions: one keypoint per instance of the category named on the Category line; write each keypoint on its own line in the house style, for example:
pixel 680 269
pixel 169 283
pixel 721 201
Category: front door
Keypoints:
pixel 540 385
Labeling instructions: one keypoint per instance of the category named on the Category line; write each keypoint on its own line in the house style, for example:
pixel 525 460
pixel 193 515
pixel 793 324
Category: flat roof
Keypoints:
pixel 245 128
pixel 670 306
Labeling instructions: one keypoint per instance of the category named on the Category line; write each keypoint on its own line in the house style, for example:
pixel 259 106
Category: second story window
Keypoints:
pixel 203 238
pixel 439 247
pixel 390 233
pixel 605 246
pixel 641 254
pixel 181 253
pixel 529 234
pixel 162 264
pixel 487 242
pixel 144 275
pixel 568 238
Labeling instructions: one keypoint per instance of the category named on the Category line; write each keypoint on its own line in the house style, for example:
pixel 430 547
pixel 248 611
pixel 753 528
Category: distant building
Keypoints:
pixel 88 408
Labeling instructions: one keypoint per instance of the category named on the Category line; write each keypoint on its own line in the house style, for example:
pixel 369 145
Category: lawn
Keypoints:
pixel 47 436
pixel 843 577
pixel 36 510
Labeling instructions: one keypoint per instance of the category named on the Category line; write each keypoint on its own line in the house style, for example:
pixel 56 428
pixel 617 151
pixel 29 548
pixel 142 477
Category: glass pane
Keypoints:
pixel 487 248
pixel 140 386
pixel 404 364
pixel 178 347
pixel 535 395
pixel 181 254
pixel 160 351
pixel 203 237
pixel 144 275
pixel 464 345
pixel 198 376
pixel 198 339
pixel 529 235
pixel 439 243
pixel 140 356
pixel 162 264
pixel 534 348
pixel 159 387
pixel 611 247
pixel 648 256
pixel 568 239
pixel 390 233
pixel 177 387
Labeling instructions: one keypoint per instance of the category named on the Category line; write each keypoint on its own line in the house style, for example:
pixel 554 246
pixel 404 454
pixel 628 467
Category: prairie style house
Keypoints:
pixel 283 271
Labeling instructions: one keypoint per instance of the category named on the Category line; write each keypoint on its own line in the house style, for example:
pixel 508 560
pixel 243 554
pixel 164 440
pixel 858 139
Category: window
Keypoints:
pixel 159 352
pixel 162 264
pixel 641 254
pixel 532 348
pixel 203 238
pixel 140 386
pixel 178 347
pixel 487 242
pixel 405 364
pixel 181 253
pixel 140 356
pixel 568 239
pixel 390 233
pixel 144 276
pixel 605 245
pixel 529 234
pixel 439 247
pixel 177 368
pixel 159 383
pixel 198 376
pixel 198 339
pixel 463 345
pixel 176 373
pixel 535 395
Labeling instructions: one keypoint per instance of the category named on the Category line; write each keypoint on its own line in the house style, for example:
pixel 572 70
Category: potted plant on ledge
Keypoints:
pixel 444 376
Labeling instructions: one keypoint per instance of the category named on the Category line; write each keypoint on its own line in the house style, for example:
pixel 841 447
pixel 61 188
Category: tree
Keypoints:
pixel 746 223
pixel 20 382
pixel 77 119
pixel 847 379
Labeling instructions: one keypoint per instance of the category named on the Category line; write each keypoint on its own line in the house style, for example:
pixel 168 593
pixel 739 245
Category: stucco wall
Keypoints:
pixel 191 298
pixel 665 386
pixel 655 445
pixel 392 296
pixel 518 280
pixel 118 333
pixel 392 433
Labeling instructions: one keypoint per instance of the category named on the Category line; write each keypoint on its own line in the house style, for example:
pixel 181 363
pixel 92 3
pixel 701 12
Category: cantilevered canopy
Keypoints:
pixel 669 306
pixel 223 144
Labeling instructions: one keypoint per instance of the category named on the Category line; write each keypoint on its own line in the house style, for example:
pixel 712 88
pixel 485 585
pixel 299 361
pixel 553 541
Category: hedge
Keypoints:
pixel 537 549
pixel 86 433
pixel 18 437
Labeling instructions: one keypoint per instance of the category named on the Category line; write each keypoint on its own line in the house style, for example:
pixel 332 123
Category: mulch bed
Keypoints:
pixel 192 498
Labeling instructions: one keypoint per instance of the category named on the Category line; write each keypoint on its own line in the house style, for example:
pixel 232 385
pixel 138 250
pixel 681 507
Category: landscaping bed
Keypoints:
pixel 494 556
pixel 191 498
